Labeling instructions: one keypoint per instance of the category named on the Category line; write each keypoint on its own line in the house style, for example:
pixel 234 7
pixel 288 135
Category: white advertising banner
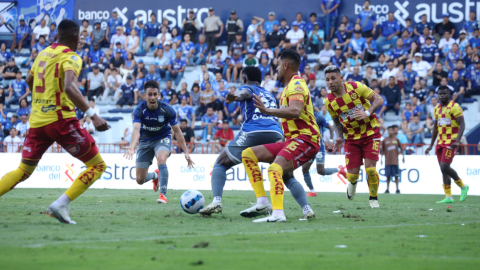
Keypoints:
pixel 419 174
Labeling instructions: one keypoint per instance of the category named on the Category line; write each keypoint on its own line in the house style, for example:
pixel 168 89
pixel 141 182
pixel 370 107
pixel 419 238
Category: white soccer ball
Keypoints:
pixel 192 201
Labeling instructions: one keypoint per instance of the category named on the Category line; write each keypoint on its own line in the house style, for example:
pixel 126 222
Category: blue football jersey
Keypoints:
pixel 155 124
pixel 253 119
pixel 322 124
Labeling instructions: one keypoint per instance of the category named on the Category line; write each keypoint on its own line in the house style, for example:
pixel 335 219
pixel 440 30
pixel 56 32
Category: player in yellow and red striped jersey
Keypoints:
pixel 355 121
pixel 53 80
pixel 302 140
pixel 449 126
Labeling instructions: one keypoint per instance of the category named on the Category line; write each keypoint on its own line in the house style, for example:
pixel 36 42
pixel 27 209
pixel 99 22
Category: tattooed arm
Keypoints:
pixel 238 95
pixel 339 130
pixel 377 102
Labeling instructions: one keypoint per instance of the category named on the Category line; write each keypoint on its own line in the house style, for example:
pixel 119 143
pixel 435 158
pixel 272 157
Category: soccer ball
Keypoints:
pixel 192 201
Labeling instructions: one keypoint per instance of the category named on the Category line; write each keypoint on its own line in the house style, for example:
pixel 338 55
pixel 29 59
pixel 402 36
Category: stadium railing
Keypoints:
pixel 216 148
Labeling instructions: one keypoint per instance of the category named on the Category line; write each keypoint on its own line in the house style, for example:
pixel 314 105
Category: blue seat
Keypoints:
pixel 464 108
pixel 235 127
pixel 12 110
pixel 126 110
pixel 469 100
pixel 115 111
pixel 423 117
pixel 116 118
pixel 427 135
pixel 141 54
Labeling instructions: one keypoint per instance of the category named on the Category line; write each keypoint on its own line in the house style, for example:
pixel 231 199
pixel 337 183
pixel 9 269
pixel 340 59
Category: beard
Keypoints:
pixel 281 78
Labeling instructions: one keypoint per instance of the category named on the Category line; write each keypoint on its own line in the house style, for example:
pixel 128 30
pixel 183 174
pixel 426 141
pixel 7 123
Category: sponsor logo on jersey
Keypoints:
pixel 46 109
pixel 74 58
pixel 161 118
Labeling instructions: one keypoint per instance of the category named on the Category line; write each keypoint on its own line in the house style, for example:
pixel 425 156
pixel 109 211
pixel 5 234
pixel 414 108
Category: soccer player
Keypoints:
pixel 391 148
pixel 320 158
pixel 449 126
pixel 258 128
pixel 302 138
pixel 355 120
pixel 153 121
pixel 53 80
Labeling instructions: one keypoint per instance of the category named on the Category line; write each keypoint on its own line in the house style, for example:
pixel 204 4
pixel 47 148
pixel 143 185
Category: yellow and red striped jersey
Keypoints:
pixel 297 89
pixel 49 102
pixel 356 97
pixel 447 123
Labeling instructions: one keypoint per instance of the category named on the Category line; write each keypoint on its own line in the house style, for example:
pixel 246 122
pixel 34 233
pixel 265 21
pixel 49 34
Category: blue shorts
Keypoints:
pixel 147 150
pixel 392 171
pixel 320 156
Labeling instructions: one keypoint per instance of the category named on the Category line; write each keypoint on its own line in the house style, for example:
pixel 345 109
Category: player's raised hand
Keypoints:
pixel 259 103
pixel 455 145
pixel 129 153
pixel 338 145
pixel 231 96
pixel 428 150
pixel 189 160
pixel 99 123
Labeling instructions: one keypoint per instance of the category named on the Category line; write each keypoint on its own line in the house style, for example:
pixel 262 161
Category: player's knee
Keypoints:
pixel 161 160
pixel 140 180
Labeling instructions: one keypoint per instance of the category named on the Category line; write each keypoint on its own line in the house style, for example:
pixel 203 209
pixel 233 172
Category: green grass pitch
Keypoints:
pixel 126 229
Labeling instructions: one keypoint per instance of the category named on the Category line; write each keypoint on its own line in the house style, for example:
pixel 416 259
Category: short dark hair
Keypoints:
pixel 444 87
pixel 253 74
pixel 184 120
pixel 41 36
pixel 313 14
pixel 151 84
pixel 68 30
pixel 291 56
pixel 331 69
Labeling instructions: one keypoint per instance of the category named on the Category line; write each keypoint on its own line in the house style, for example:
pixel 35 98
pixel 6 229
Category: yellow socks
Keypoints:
pixel 275 173
pixel 372 181
pixel 95 168
pixel 250 161
pixel 448 190
pixel 11 179
pixel 459 183
pixel 352 178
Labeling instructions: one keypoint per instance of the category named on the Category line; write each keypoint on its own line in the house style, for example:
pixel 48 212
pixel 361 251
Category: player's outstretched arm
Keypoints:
pixel 133 142
pixel 181 140
pixel 434 137
pixel 238 95
pixel 294 109
pixel 74 94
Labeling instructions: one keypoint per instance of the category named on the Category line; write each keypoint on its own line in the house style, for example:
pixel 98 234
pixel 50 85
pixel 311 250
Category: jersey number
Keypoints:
pixel 448 153
pixel 292 146
pixel 375 145
pixel 41 76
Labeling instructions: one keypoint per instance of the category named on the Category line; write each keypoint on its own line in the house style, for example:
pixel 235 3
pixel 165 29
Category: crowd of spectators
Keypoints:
pixel 405 64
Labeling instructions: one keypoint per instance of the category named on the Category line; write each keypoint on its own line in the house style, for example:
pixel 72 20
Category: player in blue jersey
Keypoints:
pixel 257 129
pixel 320 158
pixel 152 122
pixel 18 90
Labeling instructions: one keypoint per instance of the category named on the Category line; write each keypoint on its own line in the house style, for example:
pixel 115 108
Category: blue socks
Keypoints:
pixel 163 178
pixel 297 191
pixel 150 176
pixel 219 177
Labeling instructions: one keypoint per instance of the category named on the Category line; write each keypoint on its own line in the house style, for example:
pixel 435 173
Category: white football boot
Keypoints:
pixel 351 190
pixel 258 209
pixel 309 215
pixel 60 212
pixel 374 204
pixel 271 219
pixel 212 208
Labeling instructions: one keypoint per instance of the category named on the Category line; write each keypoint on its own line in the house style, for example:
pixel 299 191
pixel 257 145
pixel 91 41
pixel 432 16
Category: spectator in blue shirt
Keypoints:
pixel 419 27
pixel 470 25
pixel 353 61
pixel 112 24
pixel 209 124
pixel 409 78
pixel 216 62
pixel 460 67
pixel 152 74
pixel 20 36
pixel 355 76
pixel 357 43
pixel 176 68
pixel 407 39
pixel 96 56
pixel 348 24
pixel 399 52
pixel 408 27
pixel 299 19
pixel 268 25
pixel 284 27
pixel 18 90
pixel 5 55
pixel 234 67
pixel 201 47
pixel 130 27
pixel 24 108
pixel 367 20
pixel 389 32
pixel 330 9
pixel 430 51
pixel 188 48
pixel 41 44
pixel 473 77
pixel 475 41
pixel 310 25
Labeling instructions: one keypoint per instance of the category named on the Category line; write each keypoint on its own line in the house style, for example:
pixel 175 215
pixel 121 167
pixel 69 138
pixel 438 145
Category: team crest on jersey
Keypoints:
pixel 161 118
pixel 74 58
pixel 354 96
pixel 299 88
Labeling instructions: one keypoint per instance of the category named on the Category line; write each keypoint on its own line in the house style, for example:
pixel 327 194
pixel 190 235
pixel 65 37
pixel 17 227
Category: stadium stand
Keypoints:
pixel 415 64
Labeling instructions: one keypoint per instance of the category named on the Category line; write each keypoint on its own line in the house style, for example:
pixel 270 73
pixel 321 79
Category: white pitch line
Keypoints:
pixel 39 245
